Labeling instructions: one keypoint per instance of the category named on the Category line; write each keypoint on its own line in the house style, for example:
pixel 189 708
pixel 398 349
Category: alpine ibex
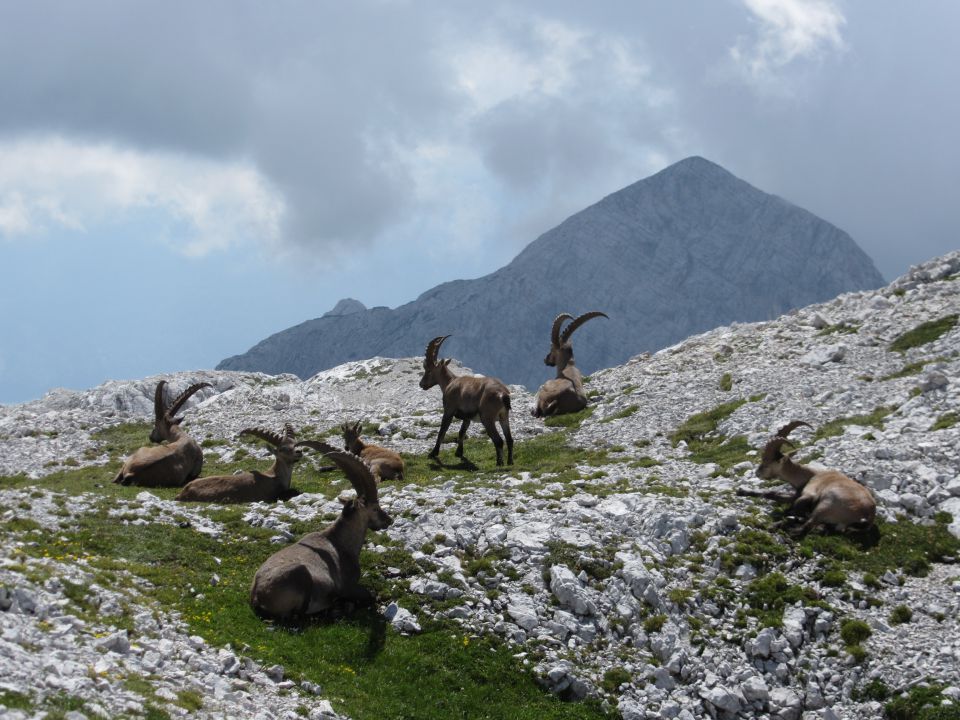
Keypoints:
pixel 252 486
pixel 825 497
pixel 310 575
pixel 385 464
pixel 467 398
pixel 564 394
pixel 172 464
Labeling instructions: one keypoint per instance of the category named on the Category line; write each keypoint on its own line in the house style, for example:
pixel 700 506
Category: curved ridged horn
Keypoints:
pixel 288 432
pixel 158 410
pixel 555 330
pixel 568 331
pixel 184 396
pixel 356 470
pixel 271 437
pixel 433 348
pixel 790 427
pixel 772 452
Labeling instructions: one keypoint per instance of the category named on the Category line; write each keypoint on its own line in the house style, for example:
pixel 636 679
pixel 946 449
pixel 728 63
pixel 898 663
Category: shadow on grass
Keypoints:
pixel 364 618
pixel 435 463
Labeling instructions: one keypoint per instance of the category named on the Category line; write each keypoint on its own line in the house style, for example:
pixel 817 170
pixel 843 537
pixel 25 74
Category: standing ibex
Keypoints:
pixel 467 398
pixel 564 394
pixel 308 576
pixel 385 464
pixel 827 497
pixel 178 461
pixel 252 486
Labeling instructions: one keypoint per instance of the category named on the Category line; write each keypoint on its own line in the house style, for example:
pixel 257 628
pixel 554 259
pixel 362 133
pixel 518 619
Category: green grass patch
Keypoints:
pixel 599 567
pixel 900 615
pixel 654 623
pixel 767 596
pixel 899 546
pixel 620 414
pixel 836 427
pixel 706 445
pixel 570 420
pixel 840 328
pixel 922 702
pixel 924 333
pixel 910 369
pixel 614 678
pixel 726 382
pixel 854 632
pixel 947 420
pixel 13 700
pixel 756 547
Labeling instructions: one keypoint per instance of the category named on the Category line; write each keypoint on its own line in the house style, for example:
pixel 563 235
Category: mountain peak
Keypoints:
pixel 677 253
pixel 346 306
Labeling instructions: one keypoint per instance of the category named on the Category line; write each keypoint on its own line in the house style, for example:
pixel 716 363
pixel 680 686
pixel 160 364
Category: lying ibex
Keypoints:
pixel 310 575
pixel 564 394
pixel 826 497
pixel 178 461
pixel 253 486
pixel 385 464
pixel 467 398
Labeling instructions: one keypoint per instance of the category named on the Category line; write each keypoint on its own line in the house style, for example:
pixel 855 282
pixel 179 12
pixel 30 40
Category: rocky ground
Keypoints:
pixel 635 574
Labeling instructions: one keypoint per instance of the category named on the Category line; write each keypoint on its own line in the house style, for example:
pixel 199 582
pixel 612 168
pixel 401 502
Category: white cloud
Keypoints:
pixel 53 183
pixel 787 30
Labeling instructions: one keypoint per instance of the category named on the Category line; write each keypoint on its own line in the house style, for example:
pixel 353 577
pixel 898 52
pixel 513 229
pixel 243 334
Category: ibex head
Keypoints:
pixel 773 458
pixel 561 351
pixel 351 434
pixel 431 366
pixel 165 417
pixel 363 481
pixel 283 446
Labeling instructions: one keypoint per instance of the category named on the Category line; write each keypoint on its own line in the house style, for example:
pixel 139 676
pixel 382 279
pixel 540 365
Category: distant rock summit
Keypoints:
pixel 683 251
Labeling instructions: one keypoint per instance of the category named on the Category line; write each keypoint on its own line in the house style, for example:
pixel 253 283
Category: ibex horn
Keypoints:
pixel 158 410
pixel 790 427
pixel 433 348
pixel 356 470
pixel 568 331
pixel 184 396
pixel 271 437
pixel 555 330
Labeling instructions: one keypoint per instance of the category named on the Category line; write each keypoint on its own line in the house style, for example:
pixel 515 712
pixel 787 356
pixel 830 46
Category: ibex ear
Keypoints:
pixel 445 362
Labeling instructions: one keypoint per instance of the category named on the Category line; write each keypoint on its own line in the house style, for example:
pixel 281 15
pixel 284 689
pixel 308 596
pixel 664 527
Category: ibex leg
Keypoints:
pixel 444 426
pixel 491 427
pixel 505 424
pixel 460 436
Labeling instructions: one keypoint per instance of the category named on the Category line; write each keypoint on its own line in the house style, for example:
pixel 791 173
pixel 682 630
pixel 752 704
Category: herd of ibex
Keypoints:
pixel 322 567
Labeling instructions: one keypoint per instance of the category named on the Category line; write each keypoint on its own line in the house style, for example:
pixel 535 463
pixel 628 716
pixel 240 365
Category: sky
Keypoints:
pixel 179 180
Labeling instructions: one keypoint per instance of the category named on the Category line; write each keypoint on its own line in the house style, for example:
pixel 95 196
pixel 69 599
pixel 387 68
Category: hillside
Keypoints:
pixel 613 564
pixel 678 253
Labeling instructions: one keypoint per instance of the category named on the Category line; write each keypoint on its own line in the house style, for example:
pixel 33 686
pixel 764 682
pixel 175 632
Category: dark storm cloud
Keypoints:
pixel 315 95
pixel 850 111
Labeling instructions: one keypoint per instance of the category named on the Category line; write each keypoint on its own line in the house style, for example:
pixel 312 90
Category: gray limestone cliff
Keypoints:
pixel 683 251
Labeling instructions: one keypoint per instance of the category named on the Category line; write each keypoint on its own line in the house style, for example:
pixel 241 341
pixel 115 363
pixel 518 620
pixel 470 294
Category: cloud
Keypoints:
pixel 53 183
pixel 787 31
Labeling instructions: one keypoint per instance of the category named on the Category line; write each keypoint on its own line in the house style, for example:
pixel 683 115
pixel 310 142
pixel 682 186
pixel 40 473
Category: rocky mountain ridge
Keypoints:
pixel 627 575
pixel 685 250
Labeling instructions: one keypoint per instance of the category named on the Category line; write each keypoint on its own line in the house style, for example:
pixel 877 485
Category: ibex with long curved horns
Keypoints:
pixel 252 486
pixel 564 394
pixel 824 497
pixel 310 575
pixel 468 398
pixel 179 460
